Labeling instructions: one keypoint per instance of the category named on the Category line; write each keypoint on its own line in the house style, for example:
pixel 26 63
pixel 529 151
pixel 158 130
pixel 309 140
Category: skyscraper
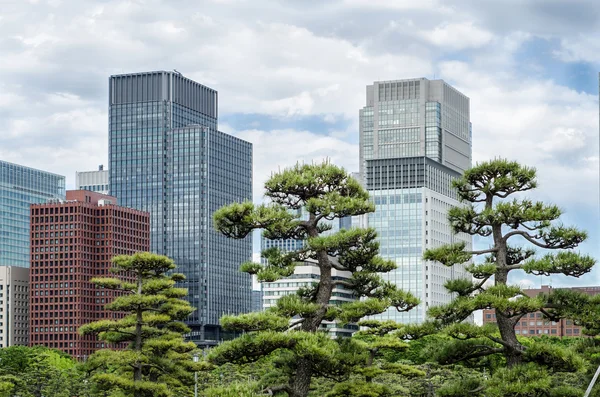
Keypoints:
pixel 94 181
pixel 415 137
pixel 168 158
pixel 19 187
pixel 71 243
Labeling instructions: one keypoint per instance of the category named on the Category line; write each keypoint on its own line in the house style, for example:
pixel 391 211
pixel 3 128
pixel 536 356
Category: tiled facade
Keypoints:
pixel 534 324
pixel 71 243
pixel 167 157
pixel 19 187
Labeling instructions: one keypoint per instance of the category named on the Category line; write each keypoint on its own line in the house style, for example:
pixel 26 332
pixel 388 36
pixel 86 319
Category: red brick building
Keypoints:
pixel 534 324
pixel 71 243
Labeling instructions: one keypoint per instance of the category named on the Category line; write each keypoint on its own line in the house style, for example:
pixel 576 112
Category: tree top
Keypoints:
pixel 498 177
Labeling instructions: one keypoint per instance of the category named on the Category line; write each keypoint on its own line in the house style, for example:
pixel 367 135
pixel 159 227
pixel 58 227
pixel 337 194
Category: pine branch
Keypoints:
pixel 481 252
pixel 527 236
pixel 335 263
pixel 498 340
pixel 482 353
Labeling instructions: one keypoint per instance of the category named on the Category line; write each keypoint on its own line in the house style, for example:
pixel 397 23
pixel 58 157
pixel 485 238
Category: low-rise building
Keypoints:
pixel 534 324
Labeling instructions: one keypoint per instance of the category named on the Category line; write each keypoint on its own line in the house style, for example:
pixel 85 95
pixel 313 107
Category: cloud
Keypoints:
pixel 458 36
pixel 583 48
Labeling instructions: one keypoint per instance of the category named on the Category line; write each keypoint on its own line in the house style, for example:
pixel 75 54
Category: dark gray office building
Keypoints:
pixel 167 157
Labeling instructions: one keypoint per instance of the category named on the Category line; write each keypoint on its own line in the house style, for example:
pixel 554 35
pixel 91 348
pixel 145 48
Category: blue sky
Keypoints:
pixel 291 76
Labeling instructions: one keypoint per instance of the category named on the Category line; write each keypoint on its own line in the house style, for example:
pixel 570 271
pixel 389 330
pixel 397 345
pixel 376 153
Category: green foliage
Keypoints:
pixel 566 262
pixel 37 371
pixel 448 255
pixel 325 192
pixel 255 322
pixel 251 347
pixel 467 386
pixel 238 389
pixel 557 358
pixel 498 178
pixel 157 361
pixel 359 389
pixel 527 380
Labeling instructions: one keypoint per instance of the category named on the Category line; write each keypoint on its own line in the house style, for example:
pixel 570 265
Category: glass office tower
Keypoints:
pixel 19 187
pixel 415 138
pixel 168 158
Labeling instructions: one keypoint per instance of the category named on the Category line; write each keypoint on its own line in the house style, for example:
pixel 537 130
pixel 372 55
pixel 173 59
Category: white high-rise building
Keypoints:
pixel 415 138
pixel 95 181
pixel 14 306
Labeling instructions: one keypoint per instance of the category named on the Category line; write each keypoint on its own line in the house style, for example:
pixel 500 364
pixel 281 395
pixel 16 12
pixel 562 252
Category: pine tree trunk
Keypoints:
pixel 302 379
pixel 301 384
pixel 506 325
pixel 513 349
pixel 370 361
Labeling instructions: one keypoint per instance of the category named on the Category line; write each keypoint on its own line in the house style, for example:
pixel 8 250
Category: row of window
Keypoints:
pixel 553 331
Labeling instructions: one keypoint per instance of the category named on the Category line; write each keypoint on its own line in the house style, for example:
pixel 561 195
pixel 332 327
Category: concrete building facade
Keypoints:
pixel 72 242
pixel 94 181
pixel 167 157
pixel 21 186
pixel 14 306
pixel 415 138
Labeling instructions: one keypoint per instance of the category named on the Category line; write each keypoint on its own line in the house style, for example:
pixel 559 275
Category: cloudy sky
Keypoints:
pixel 291 76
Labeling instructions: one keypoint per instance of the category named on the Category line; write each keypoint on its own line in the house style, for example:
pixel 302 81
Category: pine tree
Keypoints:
pixel 379 338
pixel 157 360
pixel 325 192
pixel 514 229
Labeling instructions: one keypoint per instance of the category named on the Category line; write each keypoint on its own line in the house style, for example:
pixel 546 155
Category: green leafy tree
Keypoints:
pixel 514 228
pixel 157 360
pixel 325 192
pixel 38 371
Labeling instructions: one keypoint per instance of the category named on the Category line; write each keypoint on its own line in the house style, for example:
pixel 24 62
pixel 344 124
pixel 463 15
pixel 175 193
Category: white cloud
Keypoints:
pixel 397 4
pixel 584 48
pixel 458 36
